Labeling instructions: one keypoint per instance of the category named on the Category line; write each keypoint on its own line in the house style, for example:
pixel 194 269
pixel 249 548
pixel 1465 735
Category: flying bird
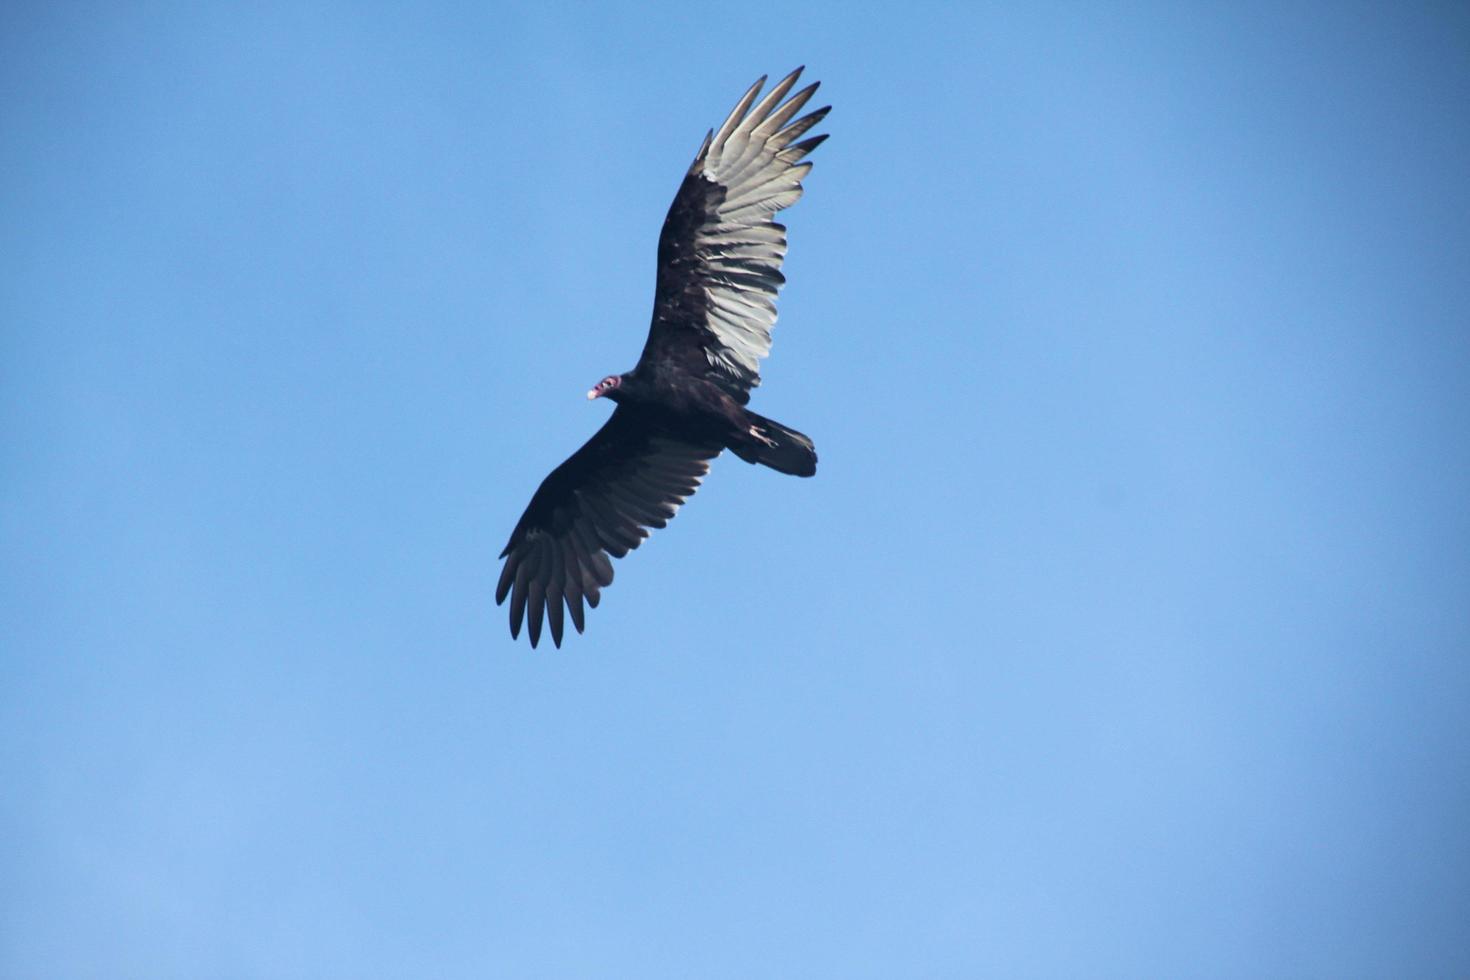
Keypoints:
pixel 719 269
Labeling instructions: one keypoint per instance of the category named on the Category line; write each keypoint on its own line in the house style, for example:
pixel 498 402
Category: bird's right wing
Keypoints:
pixel 720 250
pixel 600 502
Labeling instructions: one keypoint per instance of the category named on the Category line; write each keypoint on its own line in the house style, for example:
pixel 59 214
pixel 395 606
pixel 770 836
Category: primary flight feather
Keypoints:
pixel 719 269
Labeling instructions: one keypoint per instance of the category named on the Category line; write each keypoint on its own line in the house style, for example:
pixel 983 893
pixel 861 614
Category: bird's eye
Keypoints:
pixel 607 382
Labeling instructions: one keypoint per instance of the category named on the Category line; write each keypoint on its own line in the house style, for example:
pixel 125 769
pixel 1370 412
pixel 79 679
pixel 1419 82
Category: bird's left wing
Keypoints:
pixel 629 477
pixel 720 251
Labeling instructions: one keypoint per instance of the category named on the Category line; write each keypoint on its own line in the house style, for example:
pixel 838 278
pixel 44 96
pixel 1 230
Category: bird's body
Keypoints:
pixel 719 258
pixel 687 400
pixel 698 410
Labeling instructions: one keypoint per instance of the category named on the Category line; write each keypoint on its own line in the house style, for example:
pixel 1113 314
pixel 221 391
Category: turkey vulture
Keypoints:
pixel 719 268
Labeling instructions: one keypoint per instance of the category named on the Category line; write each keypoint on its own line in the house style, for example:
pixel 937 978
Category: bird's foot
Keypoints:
pixel 760 434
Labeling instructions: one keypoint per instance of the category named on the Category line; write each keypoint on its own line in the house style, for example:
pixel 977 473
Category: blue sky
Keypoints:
pixel 1125 630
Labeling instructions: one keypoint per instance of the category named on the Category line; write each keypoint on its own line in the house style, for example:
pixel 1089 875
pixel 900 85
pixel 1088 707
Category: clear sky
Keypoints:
pixel 1125 630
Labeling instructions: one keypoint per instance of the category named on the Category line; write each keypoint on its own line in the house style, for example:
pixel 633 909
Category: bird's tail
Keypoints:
pixel 772 444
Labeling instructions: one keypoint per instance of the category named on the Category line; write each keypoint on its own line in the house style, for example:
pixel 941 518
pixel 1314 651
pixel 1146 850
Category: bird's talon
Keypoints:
pixel 756 431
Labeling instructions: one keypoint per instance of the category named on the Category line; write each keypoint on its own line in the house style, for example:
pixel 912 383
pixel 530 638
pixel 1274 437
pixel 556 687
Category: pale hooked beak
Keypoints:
pixel 593 394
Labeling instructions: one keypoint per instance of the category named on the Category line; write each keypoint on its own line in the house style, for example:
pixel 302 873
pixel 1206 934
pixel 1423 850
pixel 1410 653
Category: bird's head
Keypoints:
pixel 607 386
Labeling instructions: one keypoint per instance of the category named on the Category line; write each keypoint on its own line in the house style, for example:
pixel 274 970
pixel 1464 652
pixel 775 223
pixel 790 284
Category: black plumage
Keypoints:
pixel 719 270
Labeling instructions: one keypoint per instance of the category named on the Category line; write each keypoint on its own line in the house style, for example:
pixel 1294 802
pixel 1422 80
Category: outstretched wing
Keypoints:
pixel 600 502
pixel 720 252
